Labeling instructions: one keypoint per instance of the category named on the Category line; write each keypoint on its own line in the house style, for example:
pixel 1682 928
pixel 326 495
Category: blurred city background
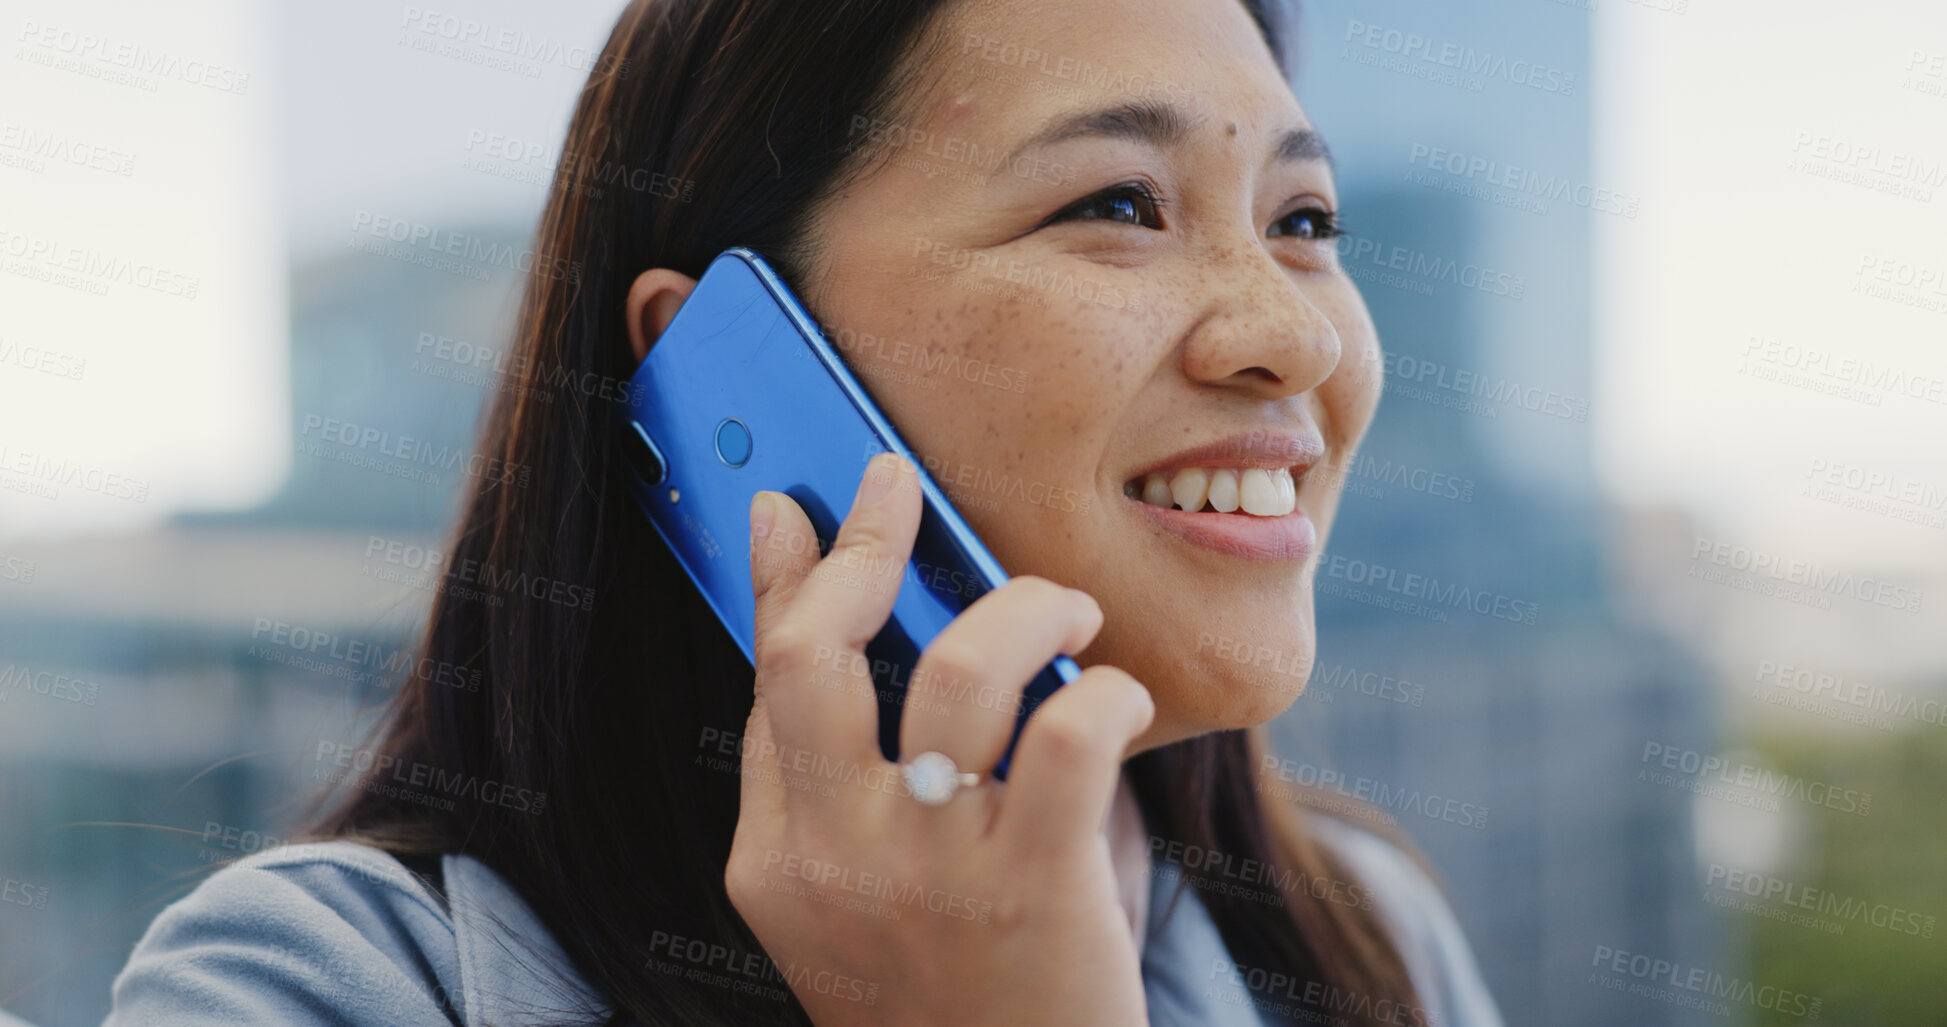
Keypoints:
pixel 1661 285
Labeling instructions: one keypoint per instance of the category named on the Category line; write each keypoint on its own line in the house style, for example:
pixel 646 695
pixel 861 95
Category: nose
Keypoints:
pixel 1260 332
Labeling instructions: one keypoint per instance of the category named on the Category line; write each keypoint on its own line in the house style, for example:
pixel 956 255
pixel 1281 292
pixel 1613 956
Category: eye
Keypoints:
pixel 1308 223
pixel 1131 203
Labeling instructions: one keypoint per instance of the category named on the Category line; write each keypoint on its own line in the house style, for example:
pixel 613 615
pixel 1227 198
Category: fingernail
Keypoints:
pixel 879 477
pixel 763 514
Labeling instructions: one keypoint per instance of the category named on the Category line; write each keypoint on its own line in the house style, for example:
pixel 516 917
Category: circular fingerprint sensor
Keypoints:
pixel 733 442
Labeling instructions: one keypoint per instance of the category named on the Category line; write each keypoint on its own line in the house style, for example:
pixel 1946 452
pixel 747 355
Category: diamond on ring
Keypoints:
pixel 933 777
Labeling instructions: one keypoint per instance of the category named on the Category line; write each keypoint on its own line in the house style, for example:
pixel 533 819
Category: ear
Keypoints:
pixel 652 303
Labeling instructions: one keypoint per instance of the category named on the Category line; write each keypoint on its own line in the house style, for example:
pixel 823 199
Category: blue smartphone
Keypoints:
pixel 742 392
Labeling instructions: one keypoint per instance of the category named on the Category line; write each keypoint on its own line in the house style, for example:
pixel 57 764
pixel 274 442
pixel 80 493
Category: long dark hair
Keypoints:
pixel 602 700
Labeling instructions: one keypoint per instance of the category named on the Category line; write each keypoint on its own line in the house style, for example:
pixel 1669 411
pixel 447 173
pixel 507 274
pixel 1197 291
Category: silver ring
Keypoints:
pixel 933 777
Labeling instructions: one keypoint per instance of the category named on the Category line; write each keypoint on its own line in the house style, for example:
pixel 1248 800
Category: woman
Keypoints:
pixel 1118 212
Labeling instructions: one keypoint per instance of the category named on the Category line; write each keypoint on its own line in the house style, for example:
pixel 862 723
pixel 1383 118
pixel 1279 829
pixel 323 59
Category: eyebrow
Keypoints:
pixel 1161 125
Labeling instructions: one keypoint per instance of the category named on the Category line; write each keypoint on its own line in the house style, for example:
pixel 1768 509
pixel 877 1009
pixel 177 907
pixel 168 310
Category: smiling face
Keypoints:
pixel 1092 255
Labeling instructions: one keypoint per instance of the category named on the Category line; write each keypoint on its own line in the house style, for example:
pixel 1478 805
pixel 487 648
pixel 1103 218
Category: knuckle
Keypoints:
pixel 869 532
pixel 1044 594
pixel 785 652
pixel 950 659
pixel 1034 589
pixel 1066 739
pixel 1122 687
pixel 739 884
pixel 1013 909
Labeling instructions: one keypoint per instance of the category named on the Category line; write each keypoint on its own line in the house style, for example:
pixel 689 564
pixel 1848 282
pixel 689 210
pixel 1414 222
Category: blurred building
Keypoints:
pixel 224 648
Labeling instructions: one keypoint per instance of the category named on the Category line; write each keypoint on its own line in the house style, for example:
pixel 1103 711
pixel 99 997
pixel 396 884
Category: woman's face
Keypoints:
pixel 1044 334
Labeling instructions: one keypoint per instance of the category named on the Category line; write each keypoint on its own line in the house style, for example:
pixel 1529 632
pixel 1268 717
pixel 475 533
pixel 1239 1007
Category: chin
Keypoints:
pixel 1211 681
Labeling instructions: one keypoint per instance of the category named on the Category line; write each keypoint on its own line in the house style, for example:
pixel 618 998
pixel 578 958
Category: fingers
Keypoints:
pixel 965 692
pixel 849 596
pixel 783 550
pixel 1069 759
pixel 814 616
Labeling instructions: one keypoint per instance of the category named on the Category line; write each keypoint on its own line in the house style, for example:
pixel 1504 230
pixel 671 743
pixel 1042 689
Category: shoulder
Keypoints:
pixel 1419 919
pixel 342 933
pixel 325 932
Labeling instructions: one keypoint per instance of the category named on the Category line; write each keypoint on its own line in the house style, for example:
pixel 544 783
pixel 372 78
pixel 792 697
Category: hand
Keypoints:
pixel 998 907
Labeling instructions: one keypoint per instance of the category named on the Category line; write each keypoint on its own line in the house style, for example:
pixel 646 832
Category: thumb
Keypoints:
pixel 783 551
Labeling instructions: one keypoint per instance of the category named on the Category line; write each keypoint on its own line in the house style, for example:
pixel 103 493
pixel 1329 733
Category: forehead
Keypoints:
pixel 1003 68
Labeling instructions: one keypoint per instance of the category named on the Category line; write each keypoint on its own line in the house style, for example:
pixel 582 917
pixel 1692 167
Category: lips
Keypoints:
pixel 1237 495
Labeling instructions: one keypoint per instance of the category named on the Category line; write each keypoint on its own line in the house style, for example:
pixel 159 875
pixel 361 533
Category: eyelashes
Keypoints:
pixel 1130 203
pixel 1317 223
pixel 1137 204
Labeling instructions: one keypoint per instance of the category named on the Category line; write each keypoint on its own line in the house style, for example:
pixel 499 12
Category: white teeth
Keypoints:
pixel 1156 490
pixel 1256 494
pixel 1257 491
pixel 1223 490
pixel 1190 487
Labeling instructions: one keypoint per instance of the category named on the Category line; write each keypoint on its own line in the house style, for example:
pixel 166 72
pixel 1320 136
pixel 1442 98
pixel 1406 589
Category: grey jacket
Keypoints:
pixel 342 934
